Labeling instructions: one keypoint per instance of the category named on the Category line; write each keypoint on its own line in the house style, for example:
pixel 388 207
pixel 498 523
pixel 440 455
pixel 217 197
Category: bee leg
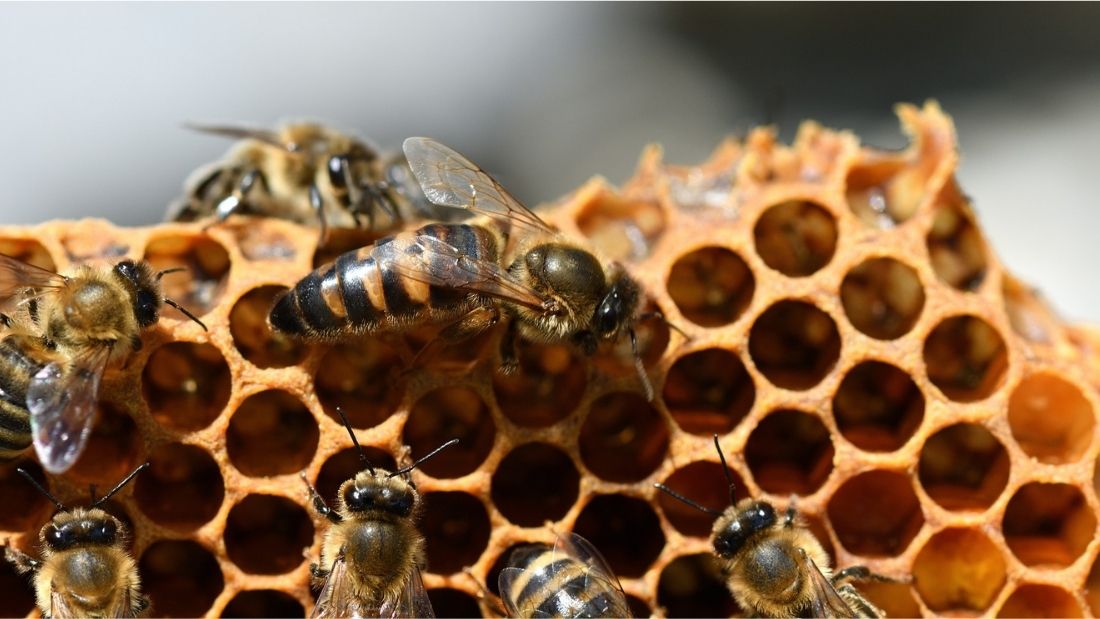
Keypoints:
pixel 141 604
pixel 233 201
pixel 319 503
pixel 318 575
pixel 472 324
pixel 5 320
pixel 791 514
pixel 858 603
pixel 509 354
pixel 485 597
pixel 318 205
pixel 858 572
pixel 22 562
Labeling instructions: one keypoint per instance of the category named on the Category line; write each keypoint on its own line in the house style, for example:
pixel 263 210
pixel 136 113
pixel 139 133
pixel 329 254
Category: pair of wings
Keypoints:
pixel 61 398
pixel 336 598
pixel 826 601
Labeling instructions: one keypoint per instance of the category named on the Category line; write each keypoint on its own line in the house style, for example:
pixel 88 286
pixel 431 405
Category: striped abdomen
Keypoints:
pixel 16 370
pixel 557 585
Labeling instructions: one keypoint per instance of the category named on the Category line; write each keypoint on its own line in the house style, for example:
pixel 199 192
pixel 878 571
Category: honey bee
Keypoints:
pixel 62 331
pixel 509 266
pixel 777 568
pixel 85 570
pixel 372 553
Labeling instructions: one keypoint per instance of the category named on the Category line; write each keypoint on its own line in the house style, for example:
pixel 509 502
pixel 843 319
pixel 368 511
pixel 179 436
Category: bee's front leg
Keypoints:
pixel 23 562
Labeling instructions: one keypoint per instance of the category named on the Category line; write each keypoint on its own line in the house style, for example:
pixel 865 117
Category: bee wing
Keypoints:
pixel 239 133
pixel 336 599
pixel 62 403
pixel 449 179
pixel 62 607
pixel 826 601
pixel 413 602
pixel 582 550
pixel 17 276
pixel 504 583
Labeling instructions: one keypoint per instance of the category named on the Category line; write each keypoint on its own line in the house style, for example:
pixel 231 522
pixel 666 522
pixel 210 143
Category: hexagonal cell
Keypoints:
pixel 1028 315
pixel 794 344
pixel 626 531
pixel 23 506
pixel 693 586
pixel 548 386
pixel 708 391
pixel 893 598
pixel 706 484
pixel 432 354
pixel 1048 525
pixel 534 483
pixel 457 529
pixel 114 448
pixel 29 251
pixel 15 591
pixel 263 603
pixel 95 242
pixel 441 415
pixel 878 407
pixel 254 338
pixel 1051 419
pixel 622 229
pixel 884 195
pixel 266 534
pixel 271 433
pixel 186 385
pixel 796 238
pixel 711 286
pixel 956 247
pixel 453 603
pixel 364 379
pixel 260 242
pixel 1032 600
pixel 181 578
pixel 345 464
pixel 182 489
pixel 623 438
pixel 958 570
pixel 199 287
pixel 876 514
pixel 964 467
pixel 790 451
pixel 965 358
pixel 882 297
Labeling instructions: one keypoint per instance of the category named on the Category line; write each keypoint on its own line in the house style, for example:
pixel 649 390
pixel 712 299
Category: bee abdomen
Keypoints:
pixel 15 429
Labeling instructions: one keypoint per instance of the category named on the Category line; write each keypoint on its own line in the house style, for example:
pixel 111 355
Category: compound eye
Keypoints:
pixel 761 516
pixel 145 308
pixel 336 170
pixel 126 268
pixel 607 314
pixel 53 536
pixel 104 532
pixel 355 499
pixel 60 538
pixel 729 541
pixel 403 503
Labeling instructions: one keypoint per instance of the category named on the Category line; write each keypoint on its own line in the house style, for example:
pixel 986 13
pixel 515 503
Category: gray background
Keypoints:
pixel 92 96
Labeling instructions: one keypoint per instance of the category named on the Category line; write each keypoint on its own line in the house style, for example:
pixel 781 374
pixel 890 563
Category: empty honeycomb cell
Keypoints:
pixel 186 385
pixel 878 407
pixel 621 229
pixel 883 196
pixel 15 592
pixel 364 379
pixel 1092 587
pixel 548 386
pixel 29 251
pixel 207 267
pixel 453 603
pixel 623 438
pixel 956 248
pixel 706 484
pixel 966 358
pixel 182 489
pixel 796 238
pixel 254 338
pixel 181 578
pixel 693 586
pixel 1048 525
pixel 534 483
pixel 1051 419
pixel 790 451
pixel 23 506
pixel 83 247
pixel 876 514
pixel 263 603
pixel 893 598
pixel 271 433
pixel 625 530
pixel 711 286
pixel 267 534
pixel 344 465
pixel 444 414
pixel 794 344
pixel 1032 600
pixel 958 570
pixel 113 449
pixel 882 297
pixel 963 467
pixel 708 391
pixel 457 529
pixel 260 242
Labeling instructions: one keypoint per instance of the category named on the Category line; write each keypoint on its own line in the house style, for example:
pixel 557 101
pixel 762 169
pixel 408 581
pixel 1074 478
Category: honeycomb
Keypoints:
pixel 847 333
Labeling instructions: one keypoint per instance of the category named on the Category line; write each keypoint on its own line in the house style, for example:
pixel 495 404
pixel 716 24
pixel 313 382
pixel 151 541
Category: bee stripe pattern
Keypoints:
pixel 558 585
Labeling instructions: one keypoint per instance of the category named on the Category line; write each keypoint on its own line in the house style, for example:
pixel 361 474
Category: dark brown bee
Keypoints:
pixel 85 570
pixel 510 266
pixel 372 553
pixel 61 333
pixel 777 568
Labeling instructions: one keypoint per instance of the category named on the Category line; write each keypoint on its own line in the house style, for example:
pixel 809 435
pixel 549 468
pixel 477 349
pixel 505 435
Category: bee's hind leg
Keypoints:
pixel 858 603
pixel 858 572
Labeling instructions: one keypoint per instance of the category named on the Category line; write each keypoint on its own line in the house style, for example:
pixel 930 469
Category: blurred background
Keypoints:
pixel 93 96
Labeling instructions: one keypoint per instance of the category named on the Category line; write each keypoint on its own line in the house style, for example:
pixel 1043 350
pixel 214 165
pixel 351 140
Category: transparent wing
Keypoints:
pixel 62 607
pixel 413 602
pixel 62 403
pixel 826 601
pixel 17 276
pixel 239 133
pixel 335 599
pixel 449 179
pixel 505 581
pixel 582 550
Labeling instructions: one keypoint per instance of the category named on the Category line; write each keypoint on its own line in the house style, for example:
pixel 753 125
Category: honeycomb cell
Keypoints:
pixel 882 297
pixel 878 407
pixel 260 242
pixel 364 379
pixel 965 358
pixel 186 385
pixel 342 240
pixel 708 391
pixel 271 433
pixel 706 484
pixel 1028 316
pixel 29 251
pixel 444 414
pixel 15 591
pixel 100 245
pixel 876 514
pixel 200 286
pixel 1048 525
pixel 790 452
pixel 625 530
pixel 622 229
pixel 113 450
pixel 1092 588
pixel 267 534
pixel 883 196
pixel 23 506
pixel 1051 419
pixel 956 248
pixel 534 483
pixel 181 578
pixel 711 286
pixel 893 598
pixel 958 570
pixel 548 386
pixel 693 586
pixel 457 529
pixel 453 603
pixel 263 603
pixel 182 489
pixel 794 344
pixel 344 465
pixel 254 338
pixel 1032 600
pixel 431 354
pixel 963 467
pixel 796 238
pixel 624 438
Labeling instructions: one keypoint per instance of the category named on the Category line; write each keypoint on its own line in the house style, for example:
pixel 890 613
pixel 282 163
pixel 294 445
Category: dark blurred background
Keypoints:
pixel 93 96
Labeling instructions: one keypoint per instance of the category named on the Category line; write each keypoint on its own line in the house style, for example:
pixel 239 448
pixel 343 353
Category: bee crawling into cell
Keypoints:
pixel 776 567
pixel 85 570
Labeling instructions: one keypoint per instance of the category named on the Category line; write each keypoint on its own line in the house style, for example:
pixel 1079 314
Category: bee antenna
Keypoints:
pixel 725 469
pixel 640 367
pixel 120 485
pixel 46 493
pixel 355 441
pixel 660 317
pixel 683 499
pixel 183 310
pixel 453 441
pixel 161 274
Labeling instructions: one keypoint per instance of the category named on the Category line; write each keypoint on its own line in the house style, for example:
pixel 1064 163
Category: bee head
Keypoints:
pixel 81 528
pixel 617 308
pixel 739 524
pixel 379 491
pixel 144 289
